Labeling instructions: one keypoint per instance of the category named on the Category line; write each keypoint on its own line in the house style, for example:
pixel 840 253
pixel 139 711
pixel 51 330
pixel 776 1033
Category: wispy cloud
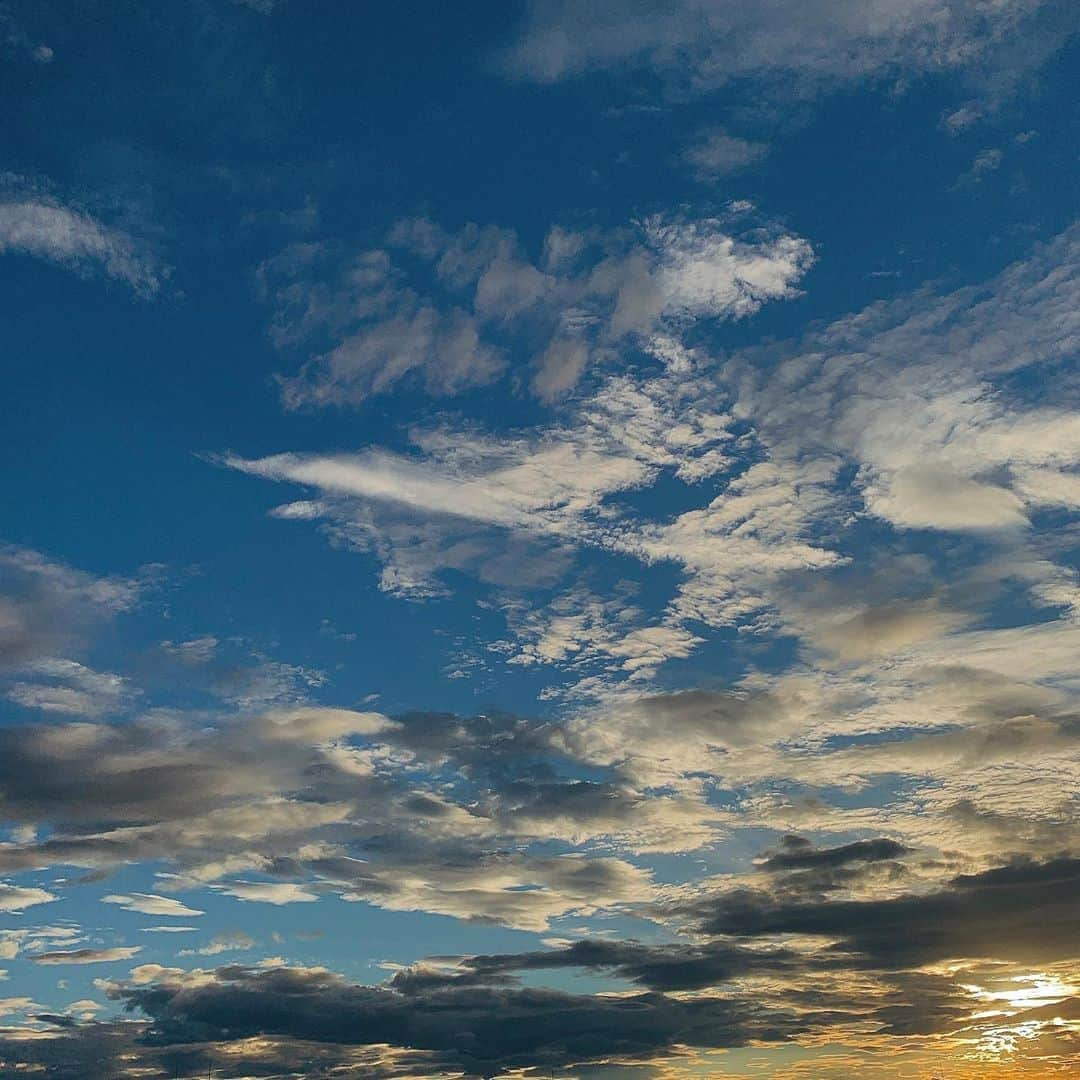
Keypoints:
pixel 151 904
pixel 40 226
pixel 786 46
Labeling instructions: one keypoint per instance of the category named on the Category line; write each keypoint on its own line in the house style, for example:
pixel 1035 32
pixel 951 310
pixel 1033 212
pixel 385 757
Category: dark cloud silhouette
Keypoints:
pixel 796 853
pixel 1024 911
pixel 659 967
pixel 481 1029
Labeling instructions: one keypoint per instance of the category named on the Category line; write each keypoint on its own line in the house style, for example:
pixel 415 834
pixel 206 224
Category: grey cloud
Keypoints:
pixel 295 795
pixel 46 606
pixel 1024 911
pixel 798 854
pixel 481 1029
pixel 658 967
pixel 88 956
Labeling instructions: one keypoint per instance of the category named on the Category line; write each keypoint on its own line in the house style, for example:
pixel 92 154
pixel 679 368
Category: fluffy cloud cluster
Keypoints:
pixel 451 310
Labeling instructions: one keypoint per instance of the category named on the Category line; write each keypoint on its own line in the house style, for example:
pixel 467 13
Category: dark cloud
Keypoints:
pixel 658 967
pixel 87 956
pixel 1025 911
pixel 797 854
pixel 481 1029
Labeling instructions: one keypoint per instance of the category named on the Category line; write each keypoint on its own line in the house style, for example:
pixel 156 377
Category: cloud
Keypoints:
pixel 798 854
pixel 39 226
pixel 670 967
pixel 910 412
pixel 447 309
pixel 46 606
pixel 803 47
pixel 16 897
pixel 716 154
pixel 504 1027
pixel 497 508
pixel 263 892
pixel 235 941
pixel 88 956
pixel 1021 911
pixel 72 689
pixel 13 38
pixel 919 396
pixel 151 904
pixel 291 795
pixel 36 939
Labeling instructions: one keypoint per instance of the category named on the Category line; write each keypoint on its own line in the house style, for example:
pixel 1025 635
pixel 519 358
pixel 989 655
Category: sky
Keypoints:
pixel 539 539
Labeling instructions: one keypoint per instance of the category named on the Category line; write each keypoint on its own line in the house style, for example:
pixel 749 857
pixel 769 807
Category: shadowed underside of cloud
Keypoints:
pixel 476 1029
pixel 473 1020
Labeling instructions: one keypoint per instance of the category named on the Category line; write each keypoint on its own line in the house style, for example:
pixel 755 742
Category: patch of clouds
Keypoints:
pixel 447 309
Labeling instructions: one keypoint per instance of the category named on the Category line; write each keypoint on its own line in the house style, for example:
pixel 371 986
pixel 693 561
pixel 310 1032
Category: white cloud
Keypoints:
pixel 16 1005
pixel 917 395
pixel 17 898
pixel 934 497
pixel 45 229
pixel 278 893
pixel 72 688
pixel 150 904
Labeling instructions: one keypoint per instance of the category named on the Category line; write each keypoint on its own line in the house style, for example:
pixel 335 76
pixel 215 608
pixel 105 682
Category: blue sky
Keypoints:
pixel 539 538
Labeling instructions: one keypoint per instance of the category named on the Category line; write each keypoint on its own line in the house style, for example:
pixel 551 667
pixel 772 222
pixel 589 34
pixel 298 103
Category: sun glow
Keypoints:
pixel 1030 991
pixel 1009 1000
